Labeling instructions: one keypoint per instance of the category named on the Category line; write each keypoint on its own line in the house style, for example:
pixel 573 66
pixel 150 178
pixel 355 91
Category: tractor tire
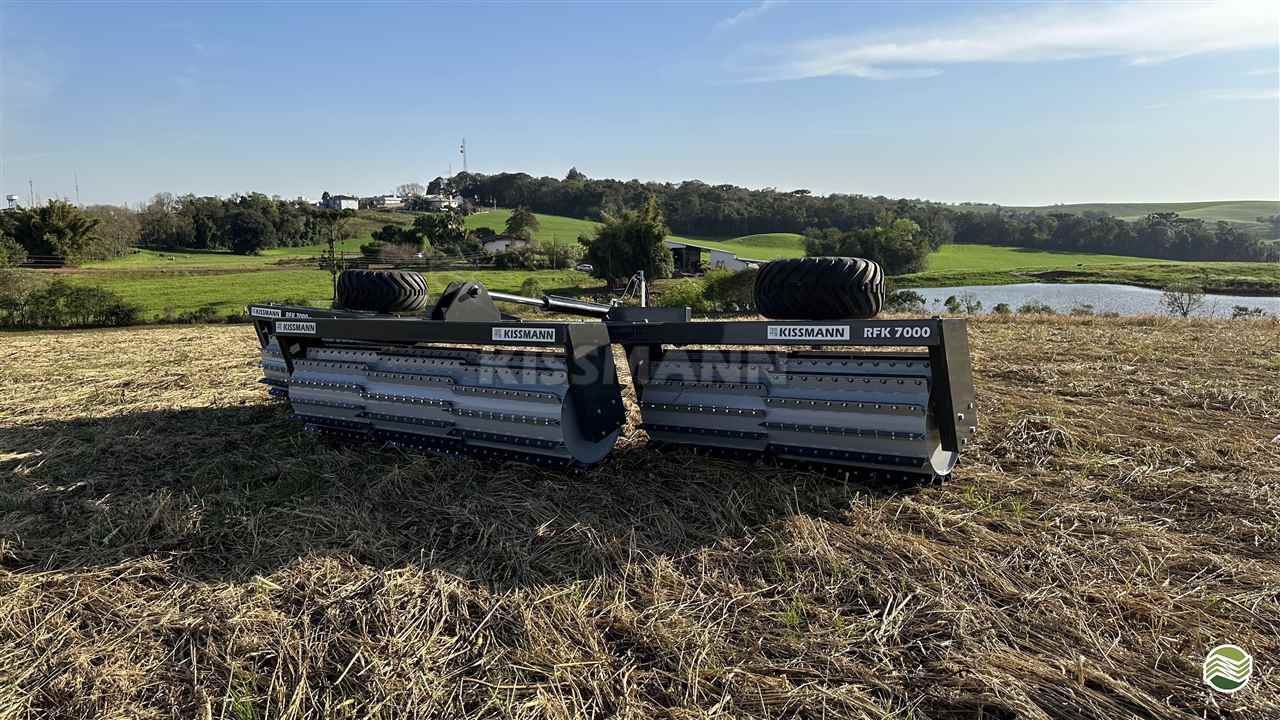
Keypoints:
pixel 381 291
pixel 820 288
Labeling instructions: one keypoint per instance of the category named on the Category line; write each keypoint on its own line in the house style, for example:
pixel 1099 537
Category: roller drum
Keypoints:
pixel 870 410
pixel 508 404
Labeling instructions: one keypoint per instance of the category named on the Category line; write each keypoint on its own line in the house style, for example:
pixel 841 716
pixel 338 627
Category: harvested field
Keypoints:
pixel 171 545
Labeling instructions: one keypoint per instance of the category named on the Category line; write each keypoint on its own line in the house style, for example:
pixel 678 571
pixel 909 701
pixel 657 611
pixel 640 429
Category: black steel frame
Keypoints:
pixel 590 359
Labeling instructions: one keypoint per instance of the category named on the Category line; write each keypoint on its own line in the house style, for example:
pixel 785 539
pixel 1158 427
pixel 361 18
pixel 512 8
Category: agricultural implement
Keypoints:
pixel 892 399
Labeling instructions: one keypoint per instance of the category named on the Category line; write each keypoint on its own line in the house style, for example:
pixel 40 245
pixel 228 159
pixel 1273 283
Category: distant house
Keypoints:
pixel 504 243
pixel 436 203
pixel 341 202
pixel 385 201
pixel 688 258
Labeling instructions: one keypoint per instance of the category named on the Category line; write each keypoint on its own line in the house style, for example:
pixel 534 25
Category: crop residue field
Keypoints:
pixel 172 545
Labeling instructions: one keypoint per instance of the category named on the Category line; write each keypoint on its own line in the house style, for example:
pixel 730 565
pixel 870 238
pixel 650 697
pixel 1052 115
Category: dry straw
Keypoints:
pixel 172 546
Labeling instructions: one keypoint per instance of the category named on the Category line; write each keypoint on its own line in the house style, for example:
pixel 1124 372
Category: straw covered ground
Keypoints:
pixel 172 545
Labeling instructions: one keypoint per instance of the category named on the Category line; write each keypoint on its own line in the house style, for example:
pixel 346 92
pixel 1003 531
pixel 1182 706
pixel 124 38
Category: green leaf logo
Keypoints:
pixel 1227 668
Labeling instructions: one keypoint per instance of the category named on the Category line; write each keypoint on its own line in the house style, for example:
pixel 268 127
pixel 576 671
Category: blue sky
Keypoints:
pixel 1008 103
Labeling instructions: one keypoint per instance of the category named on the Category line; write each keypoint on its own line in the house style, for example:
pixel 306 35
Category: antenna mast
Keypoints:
pixel 77 178
pixel 463 150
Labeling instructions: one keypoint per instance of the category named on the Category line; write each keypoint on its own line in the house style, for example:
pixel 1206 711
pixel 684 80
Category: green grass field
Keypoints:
pixel 551 228
pixel 229 291
pixel 163 282
pixel 954 265
pixel 765 246
pixel 1236 211
pixel 996 258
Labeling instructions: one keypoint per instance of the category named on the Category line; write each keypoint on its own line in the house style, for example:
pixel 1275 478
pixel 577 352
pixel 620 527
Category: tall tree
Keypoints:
pixel 445 231
pixel 896 243
pixel 630 241
pixel 410 189
pixel 522 223
pixel 11 253
pixel 118 229
pixel 161 225
pixel 249 232
pixel 56 228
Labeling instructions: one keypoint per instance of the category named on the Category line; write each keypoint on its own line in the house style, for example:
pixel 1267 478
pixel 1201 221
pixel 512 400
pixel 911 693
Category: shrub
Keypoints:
pixel 203 314
pixel 531 287
pixel 681 293
pixel 519 258
pixel 1002 309
pixel 1182 299
pixel 1035 307
pixel 1085 310
pixel 11 253
pixel 730 290
pixel 399 253
pixel 59 305
pixel 1244 312
pixel 558 255
pixel 967 304
pixel 905 301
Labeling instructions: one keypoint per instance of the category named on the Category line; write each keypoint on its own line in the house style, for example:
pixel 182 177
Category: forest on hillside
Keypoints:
pixel 695 208
pixel 899 232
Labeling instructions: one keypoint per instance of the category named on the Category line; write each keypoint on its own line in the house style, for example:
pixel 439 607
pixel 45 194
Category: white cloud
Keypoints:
pixel 1141 33
pixel 1264 71
pixel 749 13
pixel 1247 94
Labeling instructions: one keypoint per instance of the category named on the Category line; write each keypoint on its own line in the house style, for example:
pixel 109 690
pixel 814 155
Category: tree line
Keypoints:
pixel 867 224
pixel 697 208
pixel 898 232
pixel 1158 235
pixel 59 228
pixel 245 224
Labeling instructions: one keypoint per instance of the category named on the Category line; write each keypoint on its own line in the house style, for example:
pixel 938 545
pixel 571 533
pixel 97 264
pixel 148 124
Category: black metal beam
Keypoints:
pixel 906 333
pixel 955 402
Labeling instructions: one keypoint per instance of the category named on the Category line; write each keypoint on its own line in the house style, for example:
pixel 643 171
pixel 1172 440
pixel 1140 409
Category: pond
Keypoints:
pixel 1104 298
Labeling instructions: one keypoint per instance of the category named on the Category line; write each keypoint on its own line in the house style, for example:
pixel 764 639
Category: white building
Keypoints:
pixel 504 243
pixel 436 203
pixel 386 201
pixel 341 202
pixel 688 258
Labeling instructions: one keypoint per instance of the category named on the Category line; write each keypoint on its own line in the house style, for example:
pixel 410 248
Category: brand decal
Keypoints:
pixel 522 334
pixel 888 332
pixel 297 328
pixel 291 314
pixel 264 312
pixel 1227 668
pixel 808 332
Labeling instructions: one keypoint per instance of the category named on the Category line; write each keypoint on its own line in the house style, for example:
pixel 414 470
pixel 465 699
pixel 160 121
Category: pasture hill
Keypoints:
pixel 171 544
pixel 164 283
pixel 1243 212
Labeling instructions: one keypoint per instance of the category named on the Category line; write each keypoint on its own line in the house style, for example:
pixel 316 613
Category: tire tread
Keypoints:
pixel 820 288
pixel 381 291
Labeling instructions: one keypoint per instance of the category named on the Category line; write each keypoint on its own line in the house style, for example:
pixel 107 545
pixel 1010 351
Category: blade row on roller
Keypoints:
pixel 868 411
pixel 864 413
pixel 506 404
